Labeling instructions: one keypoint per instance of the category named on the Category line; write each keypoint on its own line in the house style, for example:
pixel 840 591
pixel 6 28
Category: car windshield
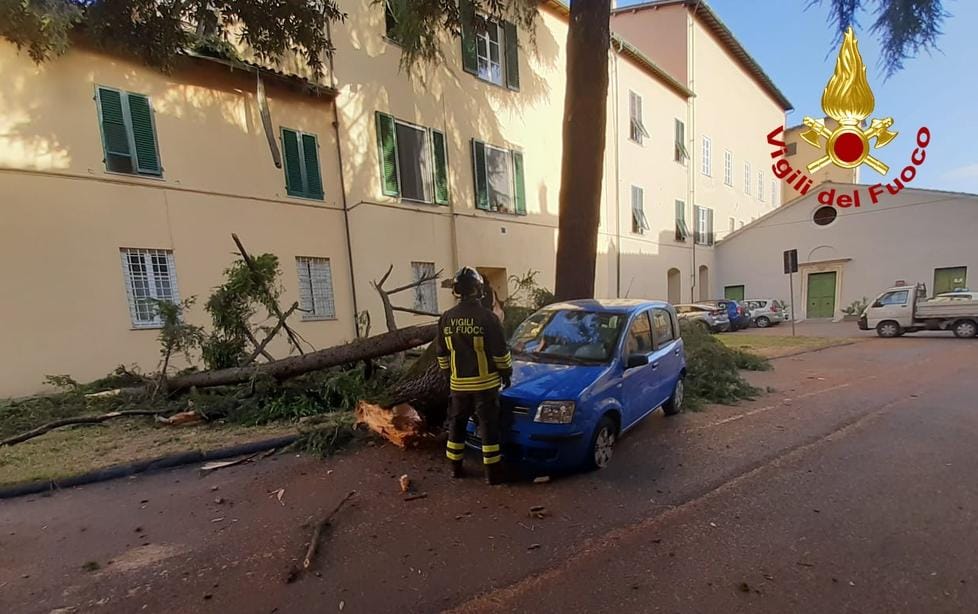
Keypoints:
pixel 568 336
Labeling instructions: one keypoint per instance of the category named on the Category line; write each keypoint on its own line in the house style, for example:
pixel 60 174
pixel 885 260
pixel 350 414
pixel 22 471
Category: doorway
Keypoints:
pixel 821 295
pixel 704 282
pixel 674 281
pixel 950 279
pixel 734 293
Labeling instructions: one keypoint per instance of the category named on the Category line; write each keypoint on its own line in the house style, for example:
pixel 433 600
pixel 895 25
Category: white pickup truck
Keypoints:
pixel 906 309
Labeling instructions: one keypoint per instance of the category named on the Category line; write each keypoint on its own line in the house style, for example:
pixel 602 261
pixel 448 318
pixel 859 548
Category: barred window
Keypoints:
pixel 150 276
pixel 315 289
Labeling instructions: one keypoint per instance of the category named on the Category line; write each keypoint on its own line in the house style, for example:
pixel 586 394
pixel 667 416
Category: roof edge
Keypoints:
pixel 631 51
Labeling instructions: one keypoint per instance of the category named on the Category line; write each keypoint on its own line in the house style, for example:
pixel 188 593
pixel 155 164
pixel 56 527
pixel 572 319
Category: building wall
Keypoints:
pixel 661 33
pixel 65 217
pixel 804 154
pixel 905 238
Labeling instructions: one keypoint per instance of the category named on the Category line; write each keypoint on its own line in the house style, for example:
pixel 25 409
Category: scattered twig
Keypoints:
pixel 423 495
pixel 224 464
pixel 318 531
pixel 50 426
pixel 804 564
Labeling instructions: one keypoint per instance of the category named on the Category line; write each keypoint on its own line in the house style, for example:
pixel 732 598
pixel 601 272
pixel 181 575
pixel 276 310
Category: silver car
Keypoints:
pixel 766 311
pixel 714 318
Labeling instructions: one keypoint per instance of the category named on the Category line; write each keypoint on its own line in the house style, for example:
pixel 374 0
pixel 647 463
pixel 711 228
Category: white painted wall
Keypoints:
pixel 905 237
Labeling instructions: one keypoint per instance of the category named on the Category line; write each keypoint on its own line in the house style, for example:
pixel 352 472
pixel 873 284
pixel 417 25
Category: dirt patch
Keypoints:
pixel 143 556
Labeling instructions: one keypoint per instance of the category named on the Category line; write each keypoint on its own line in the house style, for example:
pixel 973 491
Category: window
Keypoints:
pixel 425 295
pixel 682 231
pixel 150 276
pixel 639 222
pixel 707 165
pixel 413 161
pixel 894 298
pixel 747 177
pixel 728 167
pixel 703 232
pixel 128 133
pixel 640 336
pixel 681 155
pixel 637 131
pixel 490 50
pixel 315 289
pixel 760 186
pixel 499 179
pixel 824 216
pixel 792 149
pixel 662 331
pixel 302 175
pixel 393 9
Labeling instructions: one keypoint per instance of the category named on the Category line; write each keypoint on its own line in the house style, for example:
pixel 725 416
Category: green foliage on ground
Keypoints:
pixel 713 369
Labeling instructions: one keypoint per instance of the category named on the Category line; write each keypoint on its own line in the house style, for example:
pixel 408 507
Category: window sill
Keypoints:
pixel 133 327
pixel 502 85
pixel 393 41
pixel 505 213
pixel 135 175
pixel 319 318
pixel 321 198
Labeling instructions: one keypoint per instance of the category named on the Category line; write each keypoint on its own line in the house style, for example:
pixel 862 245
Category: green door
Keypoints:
pixel 950 279
pixel 734 293
pixel 821 295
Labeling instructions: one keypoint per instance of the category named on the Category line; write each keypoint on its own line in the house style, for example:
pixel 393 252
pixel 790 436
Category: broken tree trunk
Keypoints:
pixel 425 388
pixel 285 368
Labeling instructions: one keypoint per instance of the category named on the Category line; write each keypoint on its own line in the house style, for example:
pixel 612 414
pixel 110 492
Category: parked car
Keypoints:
pixel 765 312
pixel 736 312
pixel 905 309
pixel 714 318
pixel 584 372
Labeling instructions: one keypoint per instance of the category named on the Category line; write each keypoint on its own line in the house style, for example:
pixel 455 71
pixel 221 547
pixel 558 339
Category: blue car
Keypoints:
pixel 584 372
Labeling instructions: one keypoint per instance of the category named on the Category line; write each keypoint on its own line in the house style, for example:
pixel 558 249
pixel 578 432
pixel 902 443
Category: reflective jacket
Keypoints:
pixel 471 344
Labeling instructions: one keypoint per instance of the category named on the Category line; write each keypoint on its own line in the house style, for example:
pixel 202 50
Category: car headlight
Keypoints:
pixel 555 412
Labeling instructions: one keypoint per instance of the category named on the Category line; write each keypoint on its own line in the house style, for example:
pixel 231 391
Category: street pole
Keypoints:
pixel 791 297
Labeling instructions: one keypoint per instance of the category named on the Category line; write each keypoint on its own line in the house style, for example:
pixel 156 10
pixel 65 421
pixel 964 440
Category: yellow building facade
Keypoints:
pixel 121 183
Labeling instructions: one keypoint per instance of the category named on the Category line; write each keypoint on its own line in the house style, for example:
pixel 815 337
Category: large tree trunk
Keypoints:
pixel 585 110
pixel 355 351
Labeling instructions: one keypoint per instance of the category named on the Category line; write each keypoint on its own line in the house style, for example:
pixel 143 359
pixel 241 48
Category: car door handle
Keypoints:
pixel 676 351
pixel 655 365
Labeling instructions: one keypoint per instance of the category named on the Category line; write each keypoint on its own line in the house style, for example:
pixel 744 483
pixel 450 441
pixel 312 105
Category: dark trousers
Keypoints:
pixel 485 406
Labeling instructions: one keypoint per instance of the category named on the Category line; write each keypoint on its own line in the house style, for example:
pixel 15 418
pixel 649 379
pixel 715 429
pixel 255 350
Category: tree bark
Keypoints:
pixel 582 169
pixel 355 351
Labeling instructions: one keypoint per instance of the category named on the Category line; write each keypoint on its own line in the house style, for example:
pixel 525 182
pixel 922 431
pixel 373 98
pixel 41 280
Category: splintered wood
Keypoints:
pixel 401 425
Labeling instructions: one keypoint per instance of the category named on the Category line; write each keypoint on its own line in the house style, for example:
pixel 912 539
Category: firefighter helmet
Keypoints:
pixel 467 282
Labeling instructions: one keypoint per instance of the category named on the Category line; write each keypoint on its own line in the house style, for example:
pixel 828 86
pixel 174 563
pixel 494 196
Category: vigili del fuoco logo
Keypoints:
pixel 848 100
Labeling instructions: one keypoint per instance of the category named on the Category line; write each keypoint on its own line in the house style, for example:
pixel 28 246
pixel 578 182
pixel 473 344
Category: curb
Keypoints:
pixel 144 466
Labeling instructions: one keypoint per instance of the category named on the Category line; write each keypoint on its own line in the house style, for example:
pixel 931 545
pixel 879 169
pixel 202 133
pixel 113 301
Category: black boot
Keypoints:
pixel 494 474
pixel 457 471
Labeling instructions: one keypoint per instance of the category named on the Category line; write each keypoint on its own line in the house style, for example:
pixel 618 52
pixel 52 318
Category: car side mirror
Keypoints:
pixel 636 360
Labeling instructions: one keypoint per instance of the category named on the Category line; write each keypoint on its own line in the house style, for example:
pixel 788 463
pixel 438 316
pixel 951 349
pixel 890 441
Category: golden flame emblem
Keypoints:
pixel 848 100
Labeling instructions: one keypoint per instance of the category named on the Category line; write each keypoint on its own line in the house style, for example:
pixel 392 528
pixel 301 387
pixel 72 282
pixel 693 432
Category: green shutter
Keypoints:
pixel 512 55
pixel 681 229
pixel 441 167
pixel 310 157
pixel 520 183
pixel 470 62
pixel 115 136
pixel 143 135
pixel 709 226
pixel 481 180
pixel 697 238
pixel 293 163
pixel 387 144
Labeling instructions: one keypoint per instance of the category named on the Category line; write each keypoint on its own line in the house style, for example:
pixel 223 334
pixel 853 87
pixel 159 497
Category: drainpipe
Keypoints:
pixel 346 208
pixel 614 56
pixel 691 140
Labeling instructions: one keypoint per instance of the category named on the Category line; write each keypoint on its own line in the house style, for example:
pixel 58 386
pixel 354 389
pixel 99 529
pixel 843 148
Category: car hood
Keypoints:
pixel 538 381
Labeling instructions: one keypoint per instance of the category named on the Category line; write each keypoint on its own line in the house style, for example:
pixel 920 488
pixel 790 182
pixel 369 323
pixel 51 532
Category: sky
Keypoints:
pixel 795 47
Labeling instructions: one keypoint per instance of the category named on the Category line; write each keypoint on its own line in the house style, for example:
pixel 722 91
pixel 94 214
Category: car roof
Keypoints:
pixel 700 305
pixel 610 305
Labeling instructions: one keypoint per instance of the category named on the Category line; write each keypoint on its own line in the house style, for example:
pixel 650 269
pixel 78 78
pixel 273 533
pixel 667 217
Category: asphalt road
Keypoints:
pixel 850 488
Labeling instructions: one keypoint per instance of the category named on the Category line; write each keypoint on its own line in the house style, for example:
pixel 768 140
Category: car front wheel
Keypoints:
pixel 603 443
pixel 888 329
pixel 763 322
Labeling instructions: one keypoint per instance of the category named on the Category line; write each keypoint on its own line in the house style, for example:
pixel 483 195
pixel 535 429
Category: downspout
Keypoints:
pixel 346 208
pixel 614 55
pixel 452 213
pixel 691 141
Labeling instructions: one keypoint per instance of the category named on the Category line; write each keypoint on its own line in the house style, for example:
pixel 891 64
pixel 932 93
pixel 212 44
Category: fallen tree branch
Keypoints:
pixel 260 348
pixel 416 312
pixel 50 426
pixel 285 368
pixel 317 533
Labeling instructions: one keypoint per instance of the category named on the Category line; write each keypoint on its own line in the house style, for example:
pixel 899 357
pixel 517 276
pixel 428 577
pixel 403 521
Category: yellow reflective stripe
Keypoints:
pixel 491 448
pixel 454 445
pixel 479 343
pixel 476 386
pixel 476 379
pixel 454 456
pixel 448 343
pixel 491 460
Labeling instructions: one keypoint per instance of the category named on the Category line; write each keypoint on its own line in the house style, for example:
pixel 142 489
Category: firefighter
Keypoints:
pixel 472 351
